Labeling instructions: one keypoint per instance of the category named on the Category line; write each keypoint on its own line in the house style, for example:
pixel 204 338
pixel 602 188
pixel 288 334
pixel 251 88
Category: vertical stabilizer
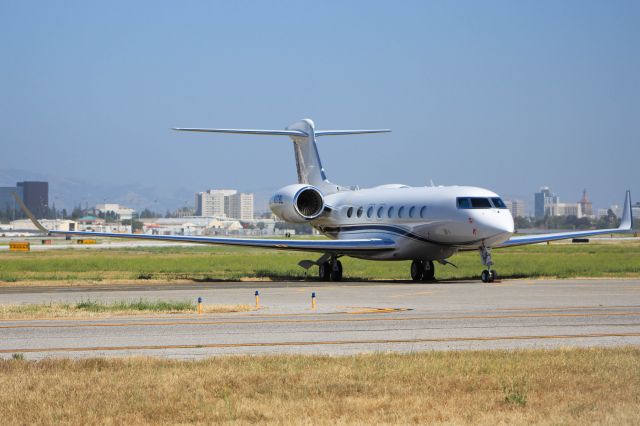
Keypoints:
pixel 308 164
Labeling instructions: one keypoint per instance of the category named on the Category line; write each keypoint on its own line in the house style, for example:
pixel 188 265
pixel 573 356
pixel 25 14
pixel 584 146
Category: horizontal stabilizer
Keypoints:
pixel 245 131
pixel 349 132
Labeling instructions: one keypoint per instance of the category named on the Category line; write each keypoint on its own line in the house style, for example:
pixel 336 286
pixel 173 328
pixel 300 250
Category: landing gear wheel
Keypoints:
pixel 485 276
pixel 417 270
pixel 429 271
pixel 494 275
pixel 336 272
pixel 324 271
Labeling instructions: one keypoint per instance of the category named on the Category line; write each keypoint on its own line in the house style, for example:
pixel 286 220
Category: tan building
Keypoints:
pixel 213 202
pixel 516 207
pixel 239 206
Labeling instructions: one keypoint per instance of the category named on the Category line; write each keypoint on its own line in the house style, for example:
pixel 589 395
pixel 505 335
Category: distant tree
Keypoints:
pixel 522 222
pixel 148 214
pixel 77 212
pixel 300 228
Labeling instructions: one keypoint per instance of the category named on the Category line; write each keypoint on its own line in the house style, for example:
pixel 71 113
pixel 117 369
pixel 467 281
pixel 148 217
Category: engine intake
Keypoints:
pixel 309 203
pixel 297 203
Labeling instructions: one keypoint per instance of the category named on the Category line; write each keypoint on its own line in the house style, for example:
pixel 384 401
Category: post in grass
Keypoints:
pixel 199 305
pixel 257 299
pixel 313 300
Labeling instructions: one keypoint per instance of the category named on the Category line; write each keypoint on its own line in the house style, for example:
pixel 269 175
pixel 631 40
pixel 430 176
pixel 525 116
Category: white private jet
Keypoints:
pixel 388 222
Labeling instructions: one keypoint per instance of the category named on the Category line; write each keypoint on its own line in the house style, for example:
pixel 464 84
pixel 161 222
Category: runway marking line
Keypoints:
pixel 318 320
pixel 318 343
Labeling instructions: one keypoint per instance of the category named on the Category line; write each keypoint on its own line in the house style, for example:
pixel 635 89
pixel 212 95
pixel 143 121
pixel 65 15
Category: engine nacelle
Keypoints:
pixel 297 203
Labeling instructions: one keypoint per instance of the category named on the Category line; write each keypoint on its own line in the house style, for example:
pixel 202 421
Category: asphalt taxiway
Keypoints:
pixel 350 317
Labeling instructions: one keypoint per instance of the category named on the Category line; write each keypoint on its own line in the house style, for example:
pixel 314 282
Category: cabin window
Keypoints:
pixel 349 211
pixel 412 211
pixel 359 213
pixel 423 211
pixel 370 211
pixel 498 203
pixel 390 212
pixel 401 211
pixel 380 211
pixel 473 203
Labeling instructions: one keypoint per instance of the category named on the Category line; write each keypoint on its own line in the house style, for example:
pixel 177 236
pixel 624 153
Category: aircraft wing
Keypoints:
pixel 350 246
pixel 319 246
pixel 626 225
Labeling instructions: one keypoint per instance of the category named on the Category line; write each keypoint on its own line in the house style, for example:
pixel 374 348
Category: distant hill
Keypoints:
pixel 66 192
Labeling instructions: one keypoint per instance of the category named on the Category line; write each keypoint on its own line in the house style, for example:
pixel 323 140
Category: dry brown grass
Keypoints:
pixel 575 386
pixel 67 310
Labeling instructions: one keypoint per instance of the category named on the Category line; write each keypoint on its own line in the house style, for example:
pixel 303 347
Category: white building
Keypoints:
pixel 239 206
pixel 125 213
pixel 224 203
pixel 212 202
pixel 616 209
pixel 50 224
pixel 565 209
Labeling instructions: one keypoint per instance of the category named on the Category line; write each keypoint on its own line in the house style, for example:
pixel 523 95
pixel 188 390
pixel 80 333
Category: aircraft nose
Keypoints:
pixel 498 223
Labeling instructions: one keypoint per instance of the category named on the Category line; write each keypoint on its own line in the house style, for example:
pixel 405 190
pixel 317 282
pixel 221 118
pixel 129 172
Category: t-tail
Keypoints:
pixel 303 134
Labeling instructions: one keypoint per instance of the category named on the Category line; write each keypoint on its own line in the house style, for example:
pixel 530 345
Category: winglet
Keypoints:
pixel 626 224
pixel 29 214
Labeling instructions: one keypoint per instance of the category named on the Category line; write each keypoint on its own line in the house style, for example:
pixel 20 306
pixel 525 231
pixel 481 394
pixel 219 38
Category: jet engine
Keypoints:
pixel 297 203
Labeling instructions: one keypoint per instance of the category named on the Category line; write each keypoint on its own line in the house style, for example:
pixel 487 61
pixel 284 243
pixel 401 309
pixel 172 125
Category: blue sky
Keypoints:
pixel 505 95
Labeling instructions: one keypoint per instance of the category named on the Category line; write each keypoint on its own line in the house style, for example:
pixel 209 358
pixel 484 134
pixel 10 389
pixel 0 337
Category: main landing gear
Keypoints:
pixel 422 270
pixel 330 270
pixel 488 275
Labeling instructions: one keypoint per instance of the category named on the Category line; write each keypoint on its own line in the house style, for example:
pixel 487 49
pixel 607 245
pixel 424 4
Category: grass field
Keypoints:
pixel 603 259
pixel 576 386
pixel 90 308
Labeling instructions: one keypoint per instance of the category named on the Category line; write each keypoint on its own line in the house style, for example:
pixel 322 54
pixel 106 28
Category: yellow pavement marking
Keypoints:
pixel 321 320
pixel 318 343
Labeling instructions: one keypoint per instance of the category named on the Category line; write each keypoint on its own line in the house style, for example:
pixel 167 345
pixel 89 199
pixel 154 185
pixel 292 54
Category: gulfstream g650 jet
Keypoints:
pixel 388 222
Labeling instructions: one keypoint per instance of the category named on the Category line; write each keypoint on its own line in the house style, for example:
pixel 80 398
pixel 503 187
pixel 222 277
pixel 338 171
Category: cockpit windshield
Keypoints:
pixel 480 203
pixel 498 203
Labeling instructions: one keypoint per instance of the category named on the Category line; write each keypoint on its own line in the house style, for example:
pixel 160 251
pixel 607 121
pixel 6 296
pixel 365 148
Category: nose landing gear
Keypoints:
pixel 422 270
pixel 488 275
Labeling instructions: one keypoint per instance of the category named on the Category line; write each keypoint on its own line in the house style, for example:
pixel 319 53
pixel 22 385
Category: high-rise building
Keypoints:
pixel 240 206
pixel 212 202
pixel 543 201
pixel 36 197
pixel 586 205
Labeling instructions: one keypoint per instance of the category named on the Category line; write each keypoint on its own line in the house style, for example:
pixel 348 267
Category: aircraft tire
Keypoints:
pixel 336 275
pixel 494 275
pixel 324 271
pixel 417 270
pixel 485 276
pixel 429 271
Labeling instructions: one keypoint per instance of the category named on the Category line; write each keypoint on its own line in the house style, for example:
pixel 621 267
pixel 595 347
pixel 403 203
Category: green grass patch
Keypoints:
pixel 209 263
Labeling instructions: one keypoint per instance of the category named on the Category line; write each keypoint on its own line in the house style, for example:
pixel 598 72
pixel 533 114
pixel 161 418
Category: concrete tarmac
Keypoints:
pixel 351 317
